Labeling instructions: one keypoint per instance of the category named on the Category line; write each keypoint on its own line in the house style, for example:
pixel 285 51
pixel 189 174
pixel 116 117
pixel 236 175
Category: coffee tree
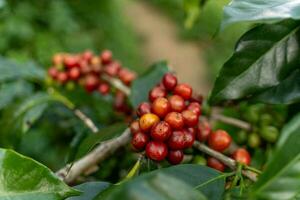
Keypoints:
pixel 242 142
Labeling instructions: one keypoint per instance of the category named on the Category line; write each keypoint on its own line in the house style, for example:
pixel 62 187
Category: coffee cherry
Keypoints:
pixel 147 121
pixel 269 133
pixel 195 107
pixel 175 157
pixel 177 103
pixel 219 140
pixel 103 88
pixel 177 140
pixel 183 90
pixel 58 59
pixel 74 73
pixel 126 76
pixel 53 72
pixel 169 81
pixel 189 138
pixel 62 77
pixel 157 151
pixel 87 55
pixel 216 164
pixel 242 156
pixel 175 120
pixel 190 118
pixel 254 140
pixel 112 69
pixel 161 131
pixel 120 101
pixel 139 140
pixel 161 107
pixel 106 57
pixel 71 61
pixel 157 92
pixel 135 127
pixel 203 131
pixel 91 83
pixel 143 108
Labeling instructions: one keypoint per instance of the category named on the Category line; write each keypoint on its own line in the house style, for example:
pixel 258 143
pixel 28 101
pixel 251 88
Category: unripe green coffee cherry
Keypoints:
pixel 252 114
pixel 269 133
pixel 242 136
pixel 70 86
pixel 200 160
pixel 254 140
pixel 265 119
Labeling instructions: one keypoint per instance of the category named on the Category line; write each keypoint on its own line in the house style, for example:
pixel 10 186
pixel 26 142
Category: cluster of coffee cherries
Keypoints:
pixel 166 126
pixel 87 69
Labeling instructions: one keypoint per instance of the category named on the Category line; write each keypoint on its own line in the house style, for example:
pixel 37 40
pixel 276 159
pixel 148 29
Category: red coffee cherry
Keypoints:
pixel 161 131
pixel 87 55
pixel 219 140
pixel 177 103
pixel 190 118
pixel 157 92
pixel 183 90
pixel 135 127
pixel 139 140
pixel 62 77
pixel 216 164
pixel 58 59
pixel 106 57
pixel 169 81
pixel 175 120
pixel 242 156
pixel 177 140
pixel 53 72
pixel 126 76
pixel 113 68
pixel 91 83
pixel 120 101
pixel 147 121
pixel 71 61
pixel 157 151
pixel 175 157
pixel 189 138
pixel 203 131
pixel 143 108
pixel 195 107
pixel 161 107
pixel 74 73
pixel 103 88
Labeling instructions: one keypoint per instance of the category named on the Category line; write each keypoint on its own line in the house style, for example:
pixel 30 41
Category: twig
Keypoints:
pixel 117 84
pixel 87 121
pixel 231 121
pixel 70 172
pixel 232 164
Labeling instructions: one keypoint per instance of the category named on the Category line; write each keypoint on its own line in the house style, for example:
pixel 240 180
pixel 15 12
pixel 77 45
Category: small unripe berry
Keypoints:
pixel 242 156
pixel 169 81
pixel 177 103
pixel 175 120
pixel 74 73
pixel 161 107
pixel 216 164
pixel 143 108
pixel 139 140
pixel 189 138
pixel 103 88
pixel 157 151
pixel 183 90
pixel 175 157
pixel 219 140
pixel 177 140
pixel 203 131
pixel 195 107
pixel 190 118
pixel 106 57
pixel 135 127
pixel 62 77
pixel 147 121
pixel 161 131
pixel 157 92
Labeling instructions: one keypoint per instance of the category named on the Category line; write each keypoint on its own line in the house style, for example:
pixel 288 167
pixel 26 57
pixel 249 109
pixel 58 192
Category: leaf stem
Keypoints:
pixel 224 175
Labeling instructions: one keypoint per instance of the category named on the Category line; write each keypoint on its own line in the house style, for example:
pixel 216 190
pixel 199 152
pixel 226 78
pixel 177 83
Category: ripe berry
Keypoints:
pixel 177 140
pixel 161 131
pixel 161 106
pixel 203 131
pixel 175 157
pixel 74 73
pixel 190 118
pixel 139 140
pixel 157 92
pixel 126 76
pixel 112 69
pixel 189 138
pixel 169 81
pixel 156 150
pixel 91 83
pixel 53 72
pixel 87 55
pixel 216 164
pixel 219 140
pixel 177 103
pixel 242 156
pixel 183 90
pixel 103 88
pixel 175 120
pixel 143 108
pixel 195 107
pixel 135 127
pixel 120 101
pixel 62 77
pixel 58 59
pixel 147 121
pixel 106 57
pixel 71 61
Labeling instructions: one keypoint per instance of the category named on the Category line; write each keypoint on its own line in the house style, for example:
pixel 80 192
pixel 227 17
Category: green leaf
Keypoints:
pixel 32 116
pixel 106 133
pixel 260 11
pixel 264 57
pixel 280 179
pixel 22 178
pixel 203 178
pixel 192 10
pixel 90 190
pixel 141 86
pixel 286 92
